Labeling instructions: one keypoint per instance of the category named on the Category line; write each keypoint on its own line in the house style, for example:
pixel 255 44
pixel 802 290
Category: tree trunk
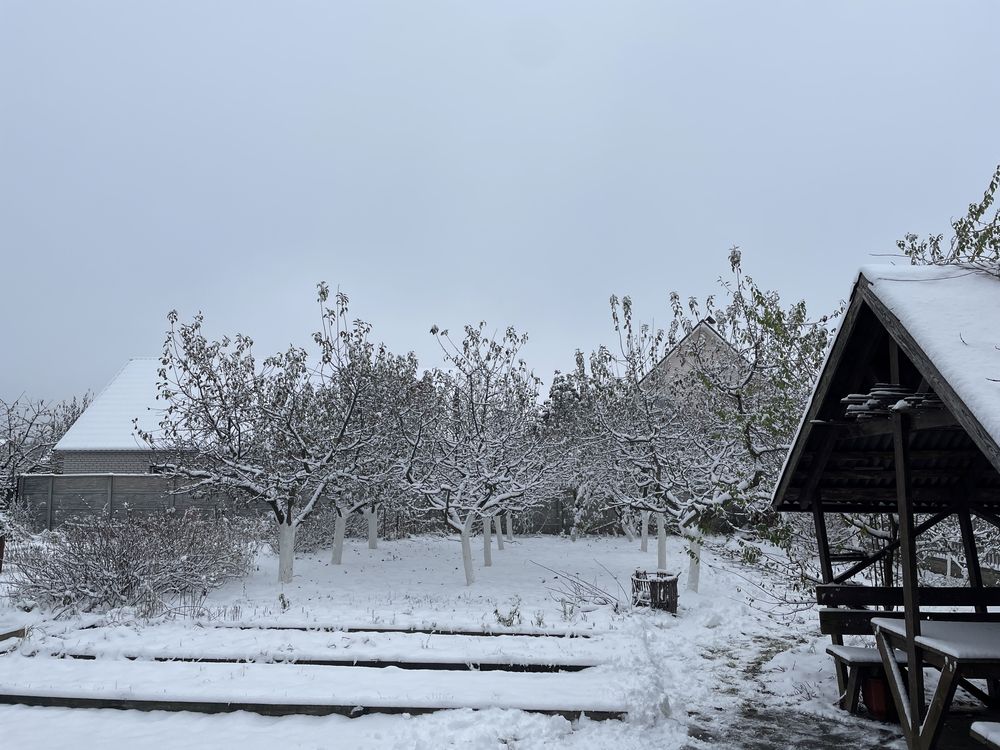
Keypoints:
pixel 694 567
pixel 661 543
pixel 627 528
pixel 644 530
pixel 371 515
pixel 510 526
pixel 487 541
pixel 286 551
pixel 470 577
pixel 496 523
pixel 339 527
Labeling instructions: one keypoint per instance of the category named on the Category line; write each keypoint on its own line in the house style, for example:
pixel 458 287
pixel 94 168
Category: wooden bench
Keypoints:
pixel 860 663
pixel 987 732
pixel 849 609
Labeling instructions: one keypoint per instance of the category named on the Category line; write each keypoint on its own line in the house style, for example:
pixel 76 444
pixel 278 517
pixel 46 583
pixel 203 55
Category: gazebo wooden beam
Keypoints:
pixel 990 518
pixel 936 419
pixel 889 548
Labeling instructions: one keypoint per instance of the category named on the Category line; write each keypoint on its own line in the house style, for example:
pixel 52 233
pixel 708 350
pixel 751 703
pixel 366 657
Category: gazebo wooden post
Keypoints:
pixel 908 560
pixel 812 493
pixel 826 572
pixel 975 574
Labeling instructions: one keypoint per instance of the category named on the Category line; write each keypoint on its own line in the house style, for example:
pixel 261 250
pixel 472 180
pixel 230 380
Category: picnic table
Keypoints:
pixel 961 650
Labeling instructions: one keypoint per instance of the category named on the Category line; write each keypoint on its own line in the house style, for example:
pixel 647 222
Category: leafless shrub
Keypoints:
pixel 147 563
pixel 579 594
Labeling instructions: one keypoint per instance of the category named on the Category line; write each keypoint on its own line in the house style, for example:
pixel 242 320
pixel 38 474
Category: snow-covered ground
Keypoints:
pixel 720 674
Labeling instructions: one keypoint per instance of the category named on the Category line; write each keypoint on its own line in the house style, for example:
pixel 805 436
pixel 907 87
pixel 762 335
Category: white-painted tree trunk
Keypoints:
pixel 286 551
pixel 510 526
pixel 339 527
pixel 644 530
pixel 371 515
pixel 488 541
pixel 496 523
pixel 629 531
pixel 661 543
pixel 470 577
pixel 694 567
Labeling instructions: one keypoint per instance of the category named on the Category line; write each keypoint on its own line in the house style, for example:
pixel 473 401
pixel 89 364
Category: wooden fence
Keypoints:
pixel 52 499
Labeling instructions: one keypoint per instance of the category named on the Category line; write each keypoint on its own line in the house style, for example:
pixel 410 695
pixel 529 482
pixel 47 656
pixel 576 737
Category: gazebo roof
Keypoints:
pixel 945 322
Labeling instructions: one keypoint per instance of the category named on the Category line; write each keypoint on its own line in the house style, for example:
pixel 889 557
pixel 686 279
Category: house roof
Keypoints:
pixel 703 328
pixel 106 424
pixel 946 323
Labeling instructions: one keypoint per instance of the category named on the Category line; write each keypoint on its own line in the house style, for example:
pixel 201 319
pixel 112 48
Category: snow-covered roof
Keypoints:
pixel 953 314
pixel 106 424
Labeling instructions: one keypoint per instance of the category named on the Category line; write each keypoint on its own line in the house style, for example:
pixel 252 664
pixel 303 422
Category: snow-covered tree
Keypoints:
pixel 284 431
pixel 746 407
pixel 975 240
pixel 475 447
pixel 29 430
pixel 580 448
pixel 641 428
pixel 701 416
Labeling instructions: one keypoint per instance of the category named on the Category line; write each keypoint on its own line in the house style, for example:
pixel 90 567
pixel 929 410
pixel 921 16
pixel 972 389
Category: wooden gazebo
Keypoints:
pixel 905 421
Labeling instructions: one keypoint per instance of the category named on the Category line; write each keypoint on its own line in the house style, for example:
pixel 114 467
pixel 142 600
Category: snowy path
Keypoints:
pixel 293 685
pixel 182 641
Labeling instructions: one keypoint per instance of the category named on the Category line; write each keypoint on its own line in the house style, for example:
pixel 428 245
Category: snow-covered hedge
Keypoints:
pixel 149 563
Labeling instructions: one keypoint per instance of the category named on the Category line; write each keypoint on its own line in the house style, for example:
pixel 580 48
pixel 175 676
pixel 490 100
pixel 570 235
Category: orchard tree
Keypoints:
pixel 703 434
pixel 283 431
pixel 29 430
pixel 640 426
pixel 746 408
pixel 578 445
pixel 975 240
pixel 475 446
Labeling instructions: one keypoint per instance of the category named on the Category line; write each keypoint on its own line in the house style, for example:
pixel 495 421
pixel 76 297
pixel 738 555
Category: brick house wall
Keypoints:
pixel 102 462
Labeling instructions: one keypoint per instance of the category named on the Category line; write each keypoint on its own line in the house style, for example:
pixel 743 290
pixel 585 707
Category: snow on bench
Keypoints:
pixel 861 662
pixel 293 688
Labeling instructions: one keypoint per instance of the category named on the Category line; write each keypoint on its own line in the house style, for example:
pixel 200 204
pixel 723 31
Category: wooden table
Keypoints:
pixel 960 650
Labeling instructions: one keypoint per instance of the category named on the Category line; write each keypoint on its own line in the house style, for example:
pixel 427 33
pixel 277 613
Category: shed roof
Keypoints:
pixel 946 323
pixel 106 424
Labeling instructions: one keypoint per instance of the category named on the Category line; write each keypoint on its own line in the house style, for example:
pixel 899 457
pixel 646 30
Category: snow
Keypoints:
pixel 107 423
pixel 989 731
pixel 296 684
pixel 959 640
pixel 720 674
pixel 179 640
pixel 953 314
pixel 860 654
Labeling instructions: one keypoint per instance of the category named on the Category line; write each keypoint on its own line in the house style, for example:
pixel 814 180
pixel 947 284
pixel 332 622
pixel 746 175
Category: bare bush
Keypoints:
pixel 149 563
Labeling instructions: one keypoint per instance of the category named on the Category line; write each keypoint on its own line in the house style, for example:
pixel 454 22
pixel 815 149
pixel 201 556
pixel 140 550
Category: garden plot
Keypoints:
pixel 295 688
pixel 181 641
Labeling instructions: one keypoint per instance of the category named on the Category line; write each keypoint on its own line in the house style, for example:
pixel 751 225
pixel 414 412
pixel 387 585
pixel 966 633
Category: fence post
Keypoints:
pixel 48 522
pixel 111 497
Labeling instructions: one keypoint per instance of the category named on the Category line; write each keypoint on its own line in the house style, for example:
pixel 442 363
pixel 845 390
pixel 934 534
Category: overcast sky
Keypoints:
pixel 445 162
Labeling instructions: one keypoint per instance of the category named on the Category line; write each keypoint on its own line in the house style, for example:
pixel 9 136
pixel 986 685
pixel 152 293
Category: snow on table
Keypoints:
pixel 298 685
pixel 182 641
pixel 959 640
pixel 987 731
